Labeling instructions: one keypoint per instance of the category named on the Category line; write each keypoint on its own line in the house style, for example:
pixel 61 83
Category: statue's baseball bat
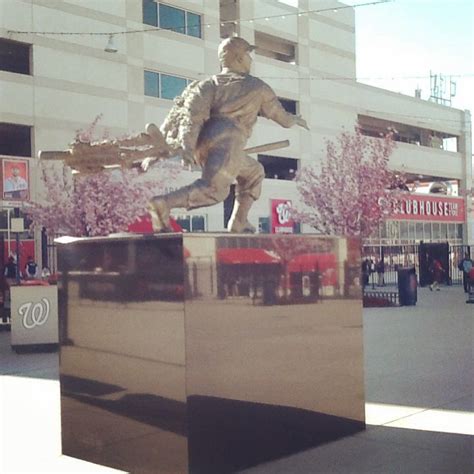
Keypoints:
pixel 268 147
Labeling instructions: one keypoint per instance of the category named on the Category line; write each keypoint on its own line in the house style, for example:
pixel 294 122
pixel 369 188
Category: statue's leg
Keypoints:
pixel 248 190
pixel 222 164
pixel 160 206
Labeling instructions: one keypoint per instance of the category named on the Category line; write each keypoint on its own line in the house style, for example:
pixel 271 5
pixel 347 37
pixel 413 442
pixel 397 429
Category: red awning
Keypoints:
pixel 247 256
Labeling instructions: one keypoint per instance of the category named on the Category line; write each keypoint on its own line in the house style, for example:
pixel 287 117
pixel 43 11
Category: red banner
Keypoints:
pixel 282 222
pixel 429 208
pixel 15 179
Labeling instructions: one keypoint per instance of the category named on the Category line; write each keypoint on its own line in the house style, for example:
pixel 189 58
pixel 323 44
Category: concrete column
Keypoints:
pixel 465 148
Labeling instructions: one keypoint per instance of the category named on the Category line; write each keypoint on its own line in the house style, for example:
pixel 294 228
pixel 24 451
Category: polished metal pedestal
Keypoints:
pixel 208 353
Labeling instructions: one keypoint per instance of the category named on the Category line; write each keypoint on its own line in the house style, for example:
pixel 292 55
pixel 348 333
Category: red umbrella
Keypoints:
pixel 143 225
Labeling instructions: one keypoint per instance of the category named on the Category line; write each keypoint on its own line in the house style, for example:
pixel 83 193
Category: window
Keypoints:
pixel 411 230
pixel 152 84
pixel 193 24
pixel 15 140
pixel 192 223
pixel 15 56
pixel 291 106
pixel 403 230
pixel 171 18
pixel 436 233
pixel 451 231
pixel 443 231
pixel 150 13
pixel 275 48
pixel 427 235
pixel 172 86
pixel 198 223
pixel 419 231
pixel 164 86
pixel 263 225
pixel 278 168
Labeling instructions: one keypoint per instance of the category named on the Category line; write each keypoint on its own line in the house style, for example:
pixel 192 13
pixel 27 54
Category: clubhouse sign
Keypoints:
pixel 429 208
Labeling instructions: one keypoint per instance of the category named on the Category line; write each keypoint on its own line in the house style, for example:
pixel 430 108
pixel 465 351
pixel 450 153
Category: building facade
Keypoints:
pixel 54 84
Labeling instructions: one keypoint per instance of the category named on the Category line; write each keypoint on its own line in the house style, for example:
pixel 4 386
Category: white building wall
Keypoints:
pixel 74 80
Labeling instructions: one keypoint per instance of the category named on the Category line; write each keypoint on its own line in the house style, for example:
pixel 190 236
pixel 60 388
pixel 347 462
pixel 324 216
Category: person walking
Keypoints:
pixel 465 265
pixel 437 271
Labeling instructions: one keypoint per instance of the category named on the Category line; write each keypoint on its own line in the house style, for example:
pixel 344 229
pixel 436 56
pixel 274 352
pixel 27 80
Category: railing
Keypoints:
pixel 396 256
pixel 374 299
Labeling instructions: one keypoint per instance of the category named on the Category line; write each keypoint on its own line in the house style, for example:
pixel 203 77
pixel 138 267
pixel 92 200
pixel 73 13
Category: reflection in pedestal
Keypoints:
pixel 208 353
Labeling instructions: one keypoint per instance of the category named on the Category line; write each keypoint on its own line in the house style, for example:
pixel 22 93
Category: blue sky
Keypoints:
pixel 407 38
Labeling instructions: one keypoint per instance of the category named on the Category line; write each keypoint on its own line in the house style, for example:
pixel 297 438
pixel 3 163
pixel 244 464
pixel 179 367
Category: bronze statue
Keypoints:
pixel 215 118
pixel 208 125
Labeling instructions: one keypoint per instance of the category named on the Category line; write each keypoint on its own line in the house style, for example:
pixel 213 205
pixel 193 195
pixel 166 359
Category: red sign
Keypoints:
pixel 282 222
pixel 429 208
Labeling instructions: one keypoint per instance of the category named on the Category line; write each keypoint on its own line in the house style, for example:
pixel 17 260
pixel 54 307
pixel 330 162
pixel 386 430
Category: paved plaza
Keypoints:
pixel 419 400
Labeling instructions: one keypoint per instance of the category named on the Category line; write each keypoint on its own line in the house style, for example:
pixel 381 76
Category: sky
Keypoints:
pixel 410 38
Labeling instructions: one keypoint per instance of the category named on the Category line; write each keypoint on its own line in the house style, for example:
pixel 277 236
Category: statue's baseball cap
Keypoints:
pixel 234 45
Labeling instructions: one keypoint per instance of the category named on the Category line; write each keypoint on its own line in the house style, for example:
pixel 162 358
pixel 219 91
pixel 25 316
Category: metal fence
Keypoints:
pixel 394 256
pixel 50 253
pixel 374 298
pixel 400 256
pixel 456 254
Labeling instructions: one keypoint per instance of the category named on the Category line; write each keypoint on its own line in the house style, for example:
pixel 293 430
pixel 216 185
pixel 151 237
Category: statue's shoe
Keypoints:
pixel 238 228
pixel 160 215
pixel 248 228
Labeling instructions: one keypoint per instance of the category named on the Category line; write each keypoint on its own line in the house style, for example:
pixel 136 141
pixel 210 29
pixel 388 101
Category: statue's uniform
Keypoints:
pixel 222 111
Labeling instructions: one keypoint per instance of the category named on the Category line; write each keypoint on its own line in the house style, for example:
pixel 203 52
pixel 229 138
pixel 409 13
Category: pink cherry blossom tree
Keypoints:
pixel 96 204
pixel 353 190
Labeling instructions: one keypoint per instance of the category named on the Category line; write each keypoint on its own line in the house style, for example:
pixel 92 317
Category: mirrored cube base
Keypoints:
pixel 208 353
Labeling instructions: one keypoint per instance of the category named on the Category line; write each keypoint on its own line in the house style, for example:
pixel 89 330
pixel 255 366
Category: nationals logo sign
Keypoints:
pixel 34 310
pixel 282 222
pixel 34 314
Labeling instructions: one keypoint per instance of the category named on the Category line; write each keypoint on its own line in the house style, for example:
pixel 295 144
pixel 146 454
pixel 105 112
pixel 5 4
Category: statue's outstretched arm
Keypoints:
pixel 273 110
